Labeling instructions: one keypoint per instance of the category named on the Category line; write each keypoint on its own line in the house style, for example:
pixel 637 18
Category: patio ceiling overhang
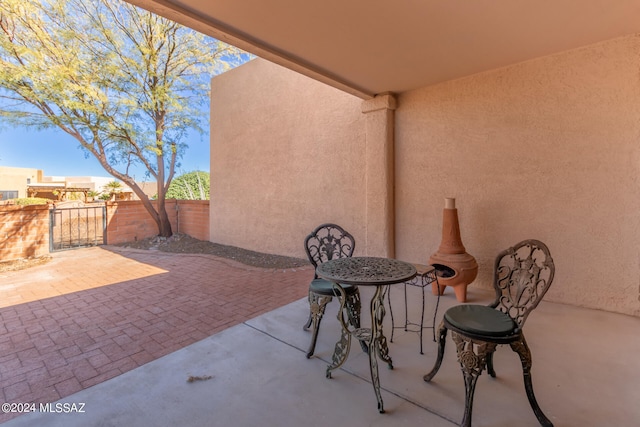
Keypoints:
pixel 370 47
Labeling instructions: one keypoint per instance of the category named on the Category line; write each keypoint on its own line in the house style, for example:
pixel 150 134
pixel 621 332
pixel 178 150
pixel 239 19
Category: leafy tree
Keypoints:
pixel 190 186
pixel 126 84
pixel 113 187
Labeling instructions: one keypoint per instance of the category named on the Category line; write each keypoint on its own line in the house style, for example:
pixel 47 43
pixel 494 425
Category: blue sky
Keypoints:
pixel 59 154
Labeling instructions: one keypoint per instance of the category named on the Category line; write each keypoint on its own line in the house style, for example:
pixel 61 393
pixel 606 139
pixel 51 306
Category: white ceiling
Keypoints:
pixel 367 47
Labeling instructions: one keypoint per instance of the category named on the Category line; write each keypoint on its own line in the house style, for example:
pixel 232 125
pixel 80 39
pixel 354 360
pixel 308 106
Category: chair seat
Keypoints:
pixel 481 320
pixel 325 287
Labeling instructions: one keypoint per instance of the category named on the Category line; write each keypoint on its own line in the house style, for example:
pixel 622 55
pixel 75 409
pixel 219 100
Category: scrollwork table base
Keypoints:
pixel 365 271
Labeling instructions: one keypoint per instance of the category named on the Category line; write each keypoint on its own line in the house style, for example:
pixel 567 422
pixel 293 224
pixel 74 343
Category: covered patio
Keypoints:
pixel 370 114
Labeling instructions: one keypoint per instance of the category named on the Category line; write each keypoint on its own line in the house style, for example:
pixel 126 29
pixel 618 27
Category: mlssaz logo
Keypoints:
pixel 62 408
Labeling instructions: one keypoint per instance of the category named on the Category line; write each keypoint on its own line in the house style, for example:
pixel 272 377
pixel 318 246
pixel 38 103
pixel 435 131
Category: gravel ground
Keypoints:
pixel 21 264
pixel 183 243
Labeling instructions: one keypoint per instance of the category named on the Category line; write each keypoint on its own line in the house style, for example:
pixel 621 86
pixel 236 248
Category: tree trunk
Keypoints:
pixel 164 226
pixel 158 213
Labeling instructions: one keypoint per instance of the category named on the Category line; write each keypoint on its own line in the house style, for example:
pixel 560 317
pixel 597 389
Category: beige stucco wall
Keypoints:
pixel 286 156
pixel 15 179
pixel 547 149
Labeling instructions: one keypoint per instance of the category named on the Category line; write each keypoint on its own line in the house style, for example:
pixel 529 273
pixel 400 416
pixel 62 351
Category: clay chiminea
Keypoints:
pixel 454 266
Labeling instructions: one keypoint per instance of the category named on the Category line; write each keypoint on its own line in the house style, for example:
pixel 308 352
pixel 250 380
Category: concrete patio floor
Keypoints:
pixel 585 373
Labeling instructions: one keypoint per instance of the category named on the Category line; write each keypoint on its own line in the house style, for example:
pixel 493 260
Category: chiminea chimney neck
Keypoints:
pixel 451 241
pixel 450 203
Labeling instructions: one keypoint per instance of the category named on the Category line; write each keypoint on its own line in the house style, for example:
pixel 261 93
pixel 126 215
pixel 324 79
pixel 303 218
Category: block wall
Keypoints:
pixel 192 218
pixel 129 221
pixel 24 232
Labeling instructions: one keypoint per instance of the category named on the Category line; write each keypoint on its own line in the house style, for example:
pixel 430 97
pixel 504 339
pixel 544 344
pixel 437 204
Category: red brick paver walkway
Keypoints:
pixel 92 314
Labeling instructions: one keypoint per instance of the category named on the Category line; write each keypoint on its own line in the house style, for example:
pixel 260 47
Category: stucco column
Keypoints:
pixel 379 118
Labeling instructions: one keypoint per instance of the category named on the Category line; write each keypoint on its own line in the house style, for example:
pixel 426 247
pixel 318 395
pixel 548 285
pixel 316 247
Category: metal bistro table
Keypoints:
pixel 365 271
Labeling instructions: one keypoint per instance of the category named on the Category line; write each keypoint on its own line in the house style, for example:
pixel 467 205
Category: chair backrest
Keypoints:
pixel 327 242
pixel 522 275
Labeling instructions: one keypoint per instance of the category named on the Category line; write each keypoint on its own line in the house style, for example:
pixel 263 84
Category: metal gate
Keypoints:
pixel 77 227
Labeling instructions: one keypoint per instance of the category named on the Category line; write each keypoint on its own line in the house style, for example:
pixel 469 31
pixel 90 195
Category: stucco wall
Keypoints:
pixel 286 156
pixel 547 149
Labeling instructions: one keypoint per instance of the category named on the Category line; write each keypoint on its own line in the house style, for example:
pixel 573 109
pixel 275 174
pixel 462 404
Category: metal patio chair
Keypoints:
pixel 327 242
pixel 522 275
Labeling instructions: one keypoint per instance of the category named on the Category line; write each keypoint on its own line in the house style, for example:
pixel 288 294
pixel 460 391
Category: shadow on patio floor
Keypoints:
pixel 92 314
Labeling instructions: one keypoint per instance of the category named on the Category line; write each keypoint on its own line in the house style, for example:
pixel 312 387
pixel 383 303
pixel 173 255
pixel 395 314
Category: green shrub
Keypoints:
pixel 31 201
pixel 190 186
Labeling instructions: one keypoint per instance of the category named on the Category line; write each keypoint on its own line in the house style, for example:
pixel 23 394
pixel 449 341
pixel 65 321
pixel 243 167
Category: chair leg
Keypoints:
pixel 490 369
pixel 435 315
pixel 472 356
pixel 354 307
pixel 523 351
pixel 317 305
pixel 312 300
pixel 442 340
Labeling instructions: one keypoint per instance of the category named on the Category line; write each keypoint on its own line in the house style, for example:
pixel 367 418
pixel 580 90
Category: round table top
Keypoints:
pixel 365 271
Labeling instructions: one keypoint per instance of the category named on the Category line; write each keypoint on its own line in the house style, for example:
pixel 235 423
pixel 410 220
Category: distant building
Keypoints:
pixel 26 182
pixel 14 181
pixel 149 188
